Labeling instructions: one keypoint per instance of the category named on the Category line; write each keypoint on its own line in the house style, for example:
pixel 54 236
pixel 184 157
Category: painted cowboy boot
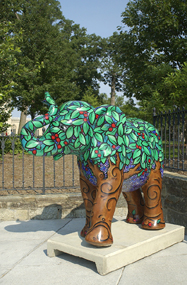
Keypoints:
pixel 88 191
pixel 108 191
pixel 153 213
pixel 135 204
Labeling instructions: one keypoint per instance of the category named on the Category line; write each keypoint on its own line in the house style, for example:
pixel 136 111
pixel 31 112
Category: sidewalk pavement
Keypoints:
pixel 24 260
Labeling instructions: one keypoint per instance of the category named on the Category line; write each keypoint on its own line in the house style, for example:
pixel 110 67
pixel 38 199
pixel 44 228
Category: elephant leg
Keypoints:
pixel 88 191
pixel 135 204
pixel 153 213
pixel 108 192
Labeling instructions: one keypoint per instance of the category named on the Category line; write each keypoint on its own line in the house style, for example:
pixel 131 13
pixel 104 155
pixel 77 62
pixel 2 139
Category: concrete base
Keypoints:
pixel 131 243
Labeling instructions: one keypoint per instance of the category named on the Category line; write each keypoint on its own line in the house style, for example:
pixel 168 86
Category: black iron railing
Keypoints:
pixel 23 173
pixel 172 126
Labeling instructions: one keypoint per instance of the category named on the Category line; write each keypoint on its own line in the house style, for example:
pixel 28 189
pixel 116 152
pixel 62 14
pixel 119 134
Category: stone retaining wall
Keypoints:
pixel 174 198
pixel 50 206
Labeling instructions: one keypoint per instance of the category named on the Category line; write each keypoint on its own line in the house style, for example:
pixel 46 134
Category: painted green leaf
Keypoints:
pixel 86 155
pixel 105 127
pixel 127 161
pixel 112 139
pixel 123 119
pixel 48 142
pixel 92 117
pixel 136 153
pixel 129 155
pixel 56 124
pixel 113 159
pixel 146 150
pixel 132 145
pixel 137 160
pixel 85 108
pixel 107 152
pixel 158 221
pixel 155 154
pixel 128 131
pixel 90 132
pixel 100 111
pixel 48 148
pixel 72 107
pixel 28 137
pixel 120 140
pixel 108 119
pixel 103 146
pixel 126 140
pixel 82 139
pixel 77 130
pixel 121 165
pixel 144 143
pixel 31 127
pixel 62 136
pixel 120 130
pixel 37 124
pixel 85 128
pixel 151 128
pixel 93 154
pixel 54 130
pixel 133 212
pixel 115 115
pixel 68 117
pixel 143 157
pixel 133 136
pixel 98 130
pixel 111 133
pixel 24 132
pixel 78 122
pixel 100 121
pixel 69 132
pixel 99 137
pixel 77 143
pixel 31 144
pixel 63 112
pixel 103 160
pixel 75 114
pixel 94 141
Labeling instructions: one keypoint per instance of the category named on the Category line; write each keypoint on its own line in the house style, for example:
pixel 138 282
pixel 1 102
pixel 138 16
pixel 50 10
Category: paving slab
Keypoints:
pixel 131 243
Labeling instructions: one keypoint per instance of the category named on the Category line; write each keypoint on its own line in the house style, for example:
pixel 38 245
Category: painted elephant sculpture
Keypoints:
pixel 114 154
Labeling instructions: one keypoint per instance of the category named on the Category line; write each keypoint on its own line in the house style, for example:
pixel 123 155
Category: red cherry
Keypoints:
pixel 86 115
pixel 47 114
pixel 140 147
pixel 139 134
pixel 149 224
pixel 96 151
pixel 58 146
pixel 110 129
pixel 146 169
pixel 159 138
pixel 156 134
pixel 65 143
pixel 97 116
pixel 113 146
pixel 81 112
pixel 99 155
pixel 47 117
pixel 34 151
pixel 149 160
pixel 143 173
pixel 113 125
pixel 85 120
pixel 137 146
pixel 56 135
pixel 58 140
pixel 53 137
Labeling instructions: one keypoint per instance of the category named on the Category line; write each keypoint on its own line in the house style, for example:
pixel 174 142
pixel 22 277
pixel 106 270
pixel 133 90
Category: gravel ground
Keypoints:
pixel 23 172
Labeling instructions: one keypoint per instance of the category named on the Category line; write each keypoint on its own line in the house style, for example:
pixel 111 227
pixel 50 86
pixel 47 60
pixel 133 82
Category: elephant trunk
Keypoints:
pixel 37 146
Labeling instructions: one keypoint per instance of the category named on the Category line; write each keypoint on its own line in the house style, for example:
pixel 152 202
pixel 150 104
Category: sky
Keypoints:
pixel 100 17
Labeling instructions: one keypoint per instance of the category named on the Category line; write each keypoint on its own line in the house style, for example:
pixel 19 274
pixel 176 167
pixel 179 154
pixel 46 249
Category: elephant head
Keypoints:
pixel 69 129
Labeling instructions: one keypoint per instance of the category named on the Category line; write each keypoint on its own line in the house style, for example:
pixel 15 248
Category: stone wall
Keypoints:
pixel 174 198
pixel 50 206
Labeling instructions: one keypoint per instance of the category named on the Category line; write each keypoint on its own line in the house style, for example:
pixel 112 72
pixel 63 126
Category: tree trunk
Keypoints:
pixel 22 121
pixel 113 93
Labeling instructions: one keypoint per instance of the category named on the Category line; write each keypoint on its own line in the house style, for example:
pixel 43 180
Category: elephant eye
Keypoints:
pixel 62 127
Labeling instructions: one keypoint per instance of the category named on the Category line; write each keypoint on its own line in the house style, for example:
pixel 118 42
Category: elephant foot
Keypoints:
pixel 135 206
pixel 99 235
pixel 134 219
pixel 84 231
pixel 153 224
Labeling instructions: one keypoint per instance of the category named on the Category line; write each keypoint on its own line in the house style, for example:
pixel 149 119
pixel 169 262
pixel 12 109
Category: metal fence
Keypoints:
pixel 22 173
pixel 172 126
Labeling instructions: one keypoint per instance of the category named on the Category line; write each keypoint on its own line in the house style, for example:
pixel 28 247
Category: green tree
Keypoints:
pixel 153 48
